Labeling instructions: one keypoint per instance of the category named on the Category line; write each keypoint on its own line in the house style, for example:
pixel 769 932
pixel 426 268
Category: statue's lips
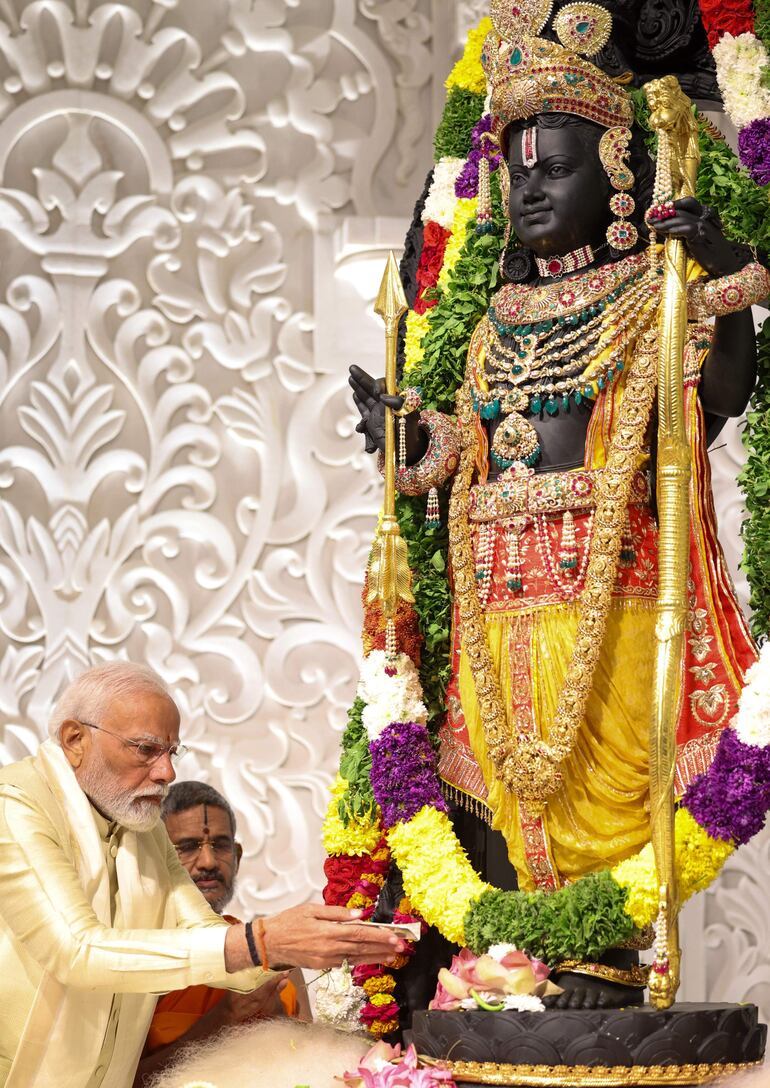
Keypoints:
pixel 535 213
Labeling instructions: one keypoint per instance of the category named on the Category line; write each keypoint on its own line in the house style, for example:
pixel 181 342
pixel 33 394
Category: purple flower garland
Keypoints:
pixel 467 184
pixel 754 149
pixel 730 801
pixel 404 774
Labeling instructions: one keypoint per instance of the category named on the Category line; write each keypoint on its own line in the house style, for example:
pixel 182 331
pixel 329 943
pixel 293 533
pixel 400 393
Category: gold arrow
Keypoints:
pixel 390 579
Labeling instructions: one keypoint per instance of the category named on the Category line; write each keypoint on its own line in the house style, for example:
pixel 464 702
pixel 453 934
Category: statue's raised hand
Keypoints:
pixel 699 228
pixel 371 400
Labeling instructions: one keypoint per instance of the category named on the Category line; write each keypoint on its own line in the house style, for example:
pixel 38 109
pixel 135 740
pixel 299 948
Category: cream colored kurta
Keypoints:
pixel 61 961
pixel 109 837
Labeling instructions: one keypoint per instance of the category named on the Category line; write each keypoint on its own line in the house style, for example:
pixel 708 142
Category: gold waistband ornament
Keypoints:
pixel 672 118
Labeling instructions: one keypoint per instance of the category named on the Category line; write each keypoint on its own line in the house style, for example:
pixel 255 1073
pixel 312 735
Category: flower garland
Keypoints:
pixel 468 74
pixel 742 61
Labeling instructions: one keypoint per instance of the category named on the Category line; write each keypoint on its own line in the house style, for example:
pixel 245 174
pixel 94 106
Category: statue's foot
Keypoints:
pixel 582 992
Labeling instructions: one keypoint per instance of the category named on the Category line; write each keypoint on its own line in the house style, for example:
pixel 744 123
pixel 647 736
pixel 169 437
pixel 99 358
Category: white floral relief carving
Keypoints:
pixel 179 480
pixel 469 13
pixel 737 929
pixel 405 31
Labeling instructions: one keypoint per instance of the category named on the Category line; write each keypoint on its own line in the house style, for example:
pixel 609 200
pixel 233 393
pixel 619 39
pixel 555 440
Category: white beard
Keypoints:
pixel 134 812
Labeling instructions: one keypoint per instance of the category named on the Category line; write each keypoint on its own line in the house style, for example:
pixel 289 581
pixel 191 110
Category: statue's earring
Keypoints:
pixel 515 262
pixel 613 154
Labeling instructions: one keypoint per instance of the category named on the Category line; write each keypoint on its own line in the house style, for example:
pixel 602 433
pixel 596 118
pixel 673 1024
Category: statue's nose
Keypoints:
pixel 533 189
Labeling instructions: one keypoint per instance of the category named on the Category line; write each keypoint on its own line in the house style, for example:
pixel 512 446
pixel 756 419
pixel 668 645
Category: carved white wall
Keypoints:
pixel 195 203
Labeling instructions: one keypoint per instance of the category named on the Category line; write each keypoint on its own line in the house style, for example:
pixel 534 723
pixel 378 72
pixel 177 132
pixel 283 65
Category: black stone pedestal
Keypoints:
pixel 684 1045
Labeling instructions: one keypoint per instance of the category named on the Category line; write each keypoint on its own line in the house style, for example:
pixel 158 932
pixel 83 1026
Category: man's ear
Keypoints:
pixel 238 856
pixel 72 739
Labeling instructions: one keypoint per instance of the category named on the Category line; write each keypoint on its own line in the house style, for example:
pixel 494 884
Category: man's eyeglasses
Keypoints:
pixel 222 847
pixel 145 751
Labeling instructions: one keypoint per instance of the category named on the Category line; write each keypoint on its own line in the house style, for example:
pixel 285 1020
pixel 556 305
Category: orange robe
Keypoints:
pixel 180 1010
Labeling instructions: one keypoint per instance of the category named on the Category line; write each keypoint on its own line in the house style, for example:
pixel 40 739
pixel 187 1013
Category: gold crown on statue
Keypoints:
pixel 530 75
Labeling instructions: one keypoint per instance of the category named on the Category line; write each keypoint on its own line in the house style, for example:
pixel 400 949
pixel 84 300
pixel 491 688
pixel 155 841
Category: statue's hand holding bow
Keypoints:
pixel 699 228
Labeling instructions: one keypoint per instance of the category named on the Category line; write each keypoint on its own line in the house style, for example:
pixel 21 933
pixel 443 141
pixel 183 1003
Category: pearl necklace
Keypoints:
pixel 569 587
pixel 550 267
pixel 485 560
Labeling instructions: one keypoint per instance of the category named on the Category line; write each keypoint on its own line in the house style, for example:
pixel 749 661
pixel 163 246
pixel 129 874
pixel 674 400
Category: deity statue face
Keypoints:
pixel 560 201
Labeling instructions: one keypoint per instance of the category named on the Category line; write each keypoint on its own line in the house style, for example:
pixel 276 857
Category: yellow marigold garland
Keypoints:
pixel 416 327
pixel 438 878
pixel 698 860
pixel 465 212
pixel 468 74
pixel 384 984
pixel 358 837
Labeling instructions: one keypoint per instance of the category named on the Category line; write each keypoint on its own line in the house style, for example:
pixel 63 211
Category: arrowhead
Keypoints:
pixel 391 301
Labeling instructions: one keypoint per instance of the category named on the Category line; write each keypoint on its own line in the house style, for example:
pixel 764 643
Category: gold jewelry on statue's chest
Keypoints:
pixel 545 349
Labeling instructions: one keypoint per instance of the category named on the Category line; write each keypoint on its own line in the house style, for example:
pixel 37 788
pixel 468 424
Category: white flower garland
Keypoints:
pixel 338 1001
pixel 752 720
pixel 390 698
pixel 740 61
pixel 441 201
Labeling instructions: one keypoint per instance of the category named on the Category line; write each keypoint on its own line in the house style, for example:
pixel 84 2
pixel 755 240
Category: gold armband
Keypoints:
pixel 440 460
pixel 728 294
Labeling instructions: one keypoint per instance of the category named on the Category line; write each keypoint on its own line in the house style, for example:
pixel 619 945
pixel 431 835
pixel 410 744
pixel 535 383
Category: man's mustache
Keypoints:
pixel 154 791
pixel 209 874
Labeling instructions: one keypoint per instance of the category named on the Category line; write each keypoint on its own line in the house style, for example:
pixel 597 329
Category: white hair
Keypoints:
pixel 88 696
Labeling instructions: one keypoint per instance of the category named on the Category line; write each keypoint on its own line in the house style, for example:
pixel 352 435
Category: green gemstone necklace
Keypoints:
pixel 541 346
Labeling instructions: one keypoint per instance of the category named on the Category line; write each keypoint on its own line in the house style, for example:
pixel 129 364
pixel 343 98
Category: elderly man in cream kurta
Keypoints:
pixel 97 915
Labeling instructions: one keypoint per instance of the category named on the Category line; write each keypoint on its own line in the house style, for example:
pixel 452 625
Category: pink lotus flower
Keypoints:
pixel 384 1067
pixel 501 973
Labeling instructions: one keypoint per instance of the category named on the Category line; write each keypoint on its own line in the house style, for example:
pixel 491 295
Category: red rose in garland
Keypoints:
pixel 343 873
pixel 726 17
pixel 435 238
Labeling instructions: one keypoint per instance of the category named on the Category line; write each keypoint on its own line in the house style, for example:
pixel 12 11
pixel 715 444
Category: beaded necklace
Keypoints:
pixel 548 359
pixel 569 355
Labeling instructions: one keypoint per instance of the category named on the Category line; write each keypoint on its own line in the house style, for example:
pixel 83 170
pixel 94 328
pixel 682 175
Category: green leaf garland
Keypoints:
pixel 755 481
pixel 762 21
pixel 577 922
pixel 445 347
pixel 355 764
pixel 461 112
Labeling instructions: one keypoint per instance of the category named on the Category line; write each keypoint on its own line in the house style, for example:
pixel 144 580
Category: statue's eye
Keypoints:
pixel 558 170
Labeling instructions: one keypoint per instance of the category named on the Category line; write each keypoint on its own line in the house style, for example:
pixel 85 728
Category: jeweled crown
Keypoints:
pixel 529 74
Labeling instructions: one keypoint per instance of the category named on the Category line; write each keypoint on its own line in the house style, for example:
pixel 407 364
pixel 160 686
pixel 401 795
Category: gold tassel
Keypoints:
pixel 432 511
pixel 627 549
pixel 568 554
pixel 484 208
